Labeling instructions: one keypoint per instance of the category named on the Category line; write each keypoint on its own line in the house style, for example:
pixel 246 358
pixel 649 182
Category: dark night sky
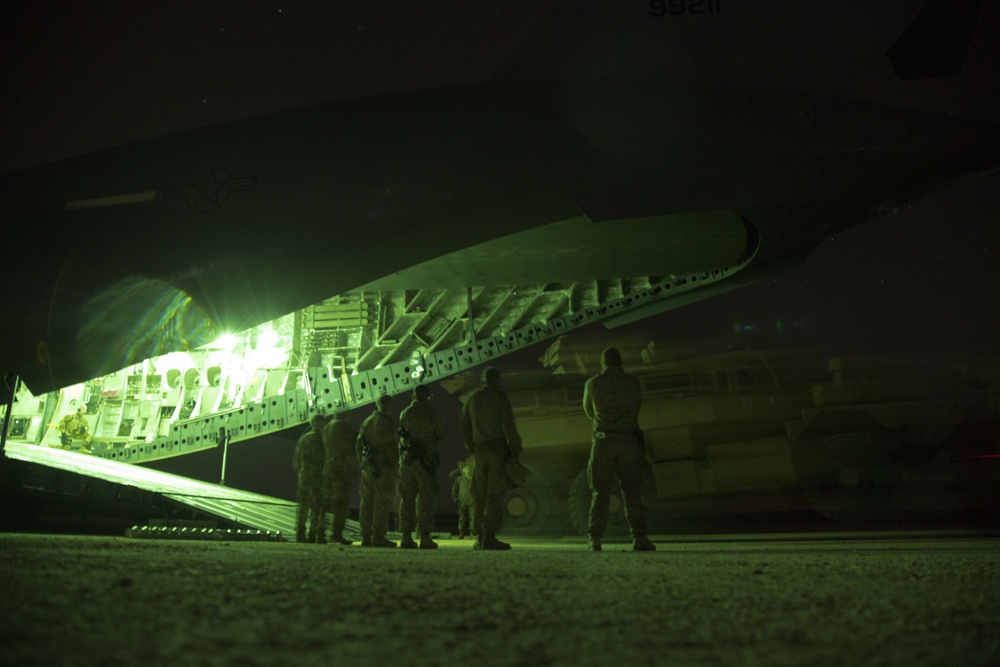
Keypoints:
pixel 82 76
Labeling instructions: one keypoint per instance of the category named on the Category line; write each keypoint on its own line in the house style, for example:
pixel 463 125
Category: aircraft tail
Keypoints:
pixel 937 41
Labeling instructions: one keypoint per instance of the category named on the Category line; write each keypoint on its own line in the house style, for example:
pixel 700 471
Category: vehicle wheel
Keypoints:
pixel 535 509
pixel 846 478
pixel 579 507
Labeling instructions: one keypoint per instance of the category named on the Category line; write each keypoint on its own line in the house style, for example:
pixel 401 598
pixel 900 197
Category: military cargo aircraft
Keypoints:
pixel 647 139
pixel 627 159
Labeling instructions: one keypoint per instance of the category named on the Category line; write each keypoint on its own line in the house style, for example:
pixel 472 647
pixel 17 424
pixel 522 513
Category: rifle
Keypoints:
pixel 368 458
pixel 414 449
pixel 640 439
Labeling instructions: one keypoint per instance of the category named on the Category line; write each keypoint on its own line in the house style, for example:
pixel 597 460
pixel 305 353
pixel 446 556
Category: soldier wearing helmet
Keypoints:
pixel 378 453
pixel 338 472
pixel 74 427
pixel 421 428
pixel 308 464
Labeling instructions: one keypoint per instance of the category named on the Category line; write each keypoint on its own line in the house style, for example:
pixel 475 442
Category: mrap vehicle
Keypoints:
pixel 730 429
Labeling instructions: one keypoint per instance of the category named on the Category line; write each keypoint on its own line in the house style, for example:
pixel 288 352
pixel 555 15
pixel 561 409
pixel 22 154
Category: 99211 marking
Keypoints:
pixel 661 8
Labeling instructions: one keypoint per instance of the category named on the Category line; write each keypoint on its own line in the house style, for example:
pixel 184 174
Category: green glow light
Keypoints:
pixel 226 342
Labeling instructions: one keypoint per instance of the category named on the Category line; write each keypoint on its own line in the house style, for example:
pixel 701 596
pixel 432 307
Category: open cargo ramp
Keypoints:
pixel 71 476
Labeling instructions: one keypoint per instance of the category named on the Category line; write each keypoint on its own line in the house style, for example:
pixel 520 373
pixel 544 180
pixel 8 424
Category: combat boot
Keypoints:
pixel 337 534
pixel 593 544
pixel 407 542
pixel 642 543
pixel 428 543
pixel 491 543
pixel 300 524
pixel 382 541
pixel 366 541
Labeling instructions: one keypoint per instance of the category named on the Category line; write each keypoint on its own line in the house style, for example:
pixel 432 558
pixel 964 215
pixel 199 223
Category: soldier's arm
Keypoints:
pixel 466 427
pixel 439 430
pixel 510 428
pixel 359 446
pixel 588 402
pixel 638 401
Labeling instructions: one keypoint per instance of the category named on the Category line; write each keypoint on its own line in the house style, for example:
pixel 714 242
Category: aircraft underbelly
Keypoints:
pixel 580 249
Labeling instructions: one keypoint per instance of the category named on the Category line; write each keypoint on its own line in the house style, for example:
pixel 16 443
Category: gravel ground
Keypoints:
pixel 86 600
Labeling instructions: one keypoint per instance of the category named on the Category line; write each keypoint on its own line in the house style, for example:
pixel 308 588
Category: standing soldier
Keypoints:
pixel 308 463
pixel 75 427
pixel 378 453
pixel 461 493
pixel 490 435
pixel 338 471
pixel 611 400
pixel 421 428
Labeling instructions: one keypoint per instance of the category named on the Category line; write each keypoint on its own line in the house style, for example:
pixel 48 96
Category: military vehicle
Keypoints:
pixel 729 429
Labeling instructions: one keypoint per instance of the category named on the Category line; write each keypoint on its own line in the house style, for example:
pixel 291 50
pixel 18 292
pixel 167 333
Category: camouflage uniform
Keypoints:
pixel 380 431
pixel 490 434
pixel 461 493
pixel 75 427
pixel 612 400
pixel 418 483
pixel 308 464
pixel 341 465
